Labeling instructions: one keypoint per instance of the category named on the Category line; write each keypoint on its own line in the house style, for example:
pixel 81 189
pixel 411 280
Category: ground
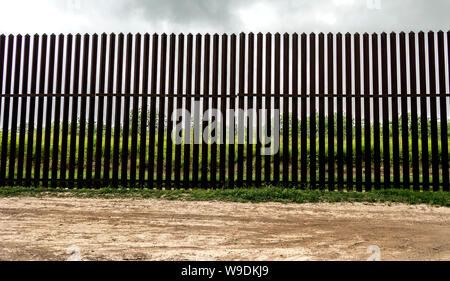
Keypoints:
pixel 149 229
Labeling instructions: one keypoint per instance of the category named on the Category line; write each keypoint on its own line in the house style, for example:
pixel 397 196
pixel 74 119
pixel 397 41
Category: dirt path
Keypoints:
pixel 42 229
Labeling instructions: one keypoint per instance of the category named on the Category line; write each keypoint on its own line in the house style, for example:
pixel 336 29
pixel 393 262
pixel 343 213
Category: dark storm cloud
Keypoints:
pixel 221 15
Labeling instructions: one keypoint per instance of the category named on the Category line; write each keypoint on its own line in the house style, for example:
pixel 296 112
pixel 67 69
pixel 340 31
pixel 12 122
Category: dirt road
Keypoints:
pixel 43 229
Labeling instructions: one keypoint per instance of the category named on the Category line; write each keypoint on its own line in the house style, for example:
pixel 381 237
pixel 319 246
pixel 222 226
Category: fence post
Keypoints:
pixel 223 105
pixel 232 106
pixel 206 94
pixel 340 113
pixel 385 104
pixel 92 102
pixel 135 112
pixel 295 100
pixel 49 111
pixel 312 109
pixel 349 110
pixel 31 114
pixel 109 110
pixel 331 135
pixel 304 114
pixel 15 105
pixel 286 121
pixel 241 120
pixel 367 129
pixel 443 110
pixel 358 123
pixel 433 112
pixel 188 107
pixel 414 117
pixel 118 111
pixel 321 111
pixel 423 113
pixel 152 133
pixel 5 117
pixel 404 107
pixel 395 131
pixel 126 111
pixel 24 105
pixel 376 113
pixel 74 119
pixel 83 111
pixel 179 103
pixel 171 92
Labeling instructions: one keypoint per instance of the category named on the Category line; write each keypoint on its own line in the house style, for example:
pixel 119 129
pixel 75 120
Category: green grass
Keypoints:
pixel 267 194
pixel 283 150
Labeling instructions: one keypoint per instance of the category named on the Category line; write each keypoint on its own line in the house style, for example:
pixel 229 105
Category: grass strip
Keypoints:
pixel 253 195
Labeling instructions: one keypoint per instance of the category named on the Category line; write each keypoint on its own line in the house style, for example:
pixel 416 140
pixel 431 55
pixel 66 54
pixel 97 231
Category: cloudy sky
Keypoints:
pixel 39 16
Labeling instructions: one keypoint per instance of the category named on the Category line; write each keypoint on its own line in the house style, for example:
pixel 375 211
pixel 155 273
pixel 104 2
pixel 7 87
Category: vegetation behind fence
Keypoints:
pixel 357 112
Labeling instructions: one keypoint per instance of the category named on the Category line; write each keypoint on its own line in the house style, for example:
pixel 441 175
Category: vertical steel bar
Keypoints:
pixel 223 105
pixel 100 109
pixel 433 111
pixel 349 110
pixel 40 112
pixel 65 126
pixel 144 112
pixel 286 121
pixel 358 123
pixel 179 104
pixel 126 111
pixel 241 120
pixel 295 100
pixel 367 118
pixel 152 133
pixel 188 107
pixel 331 123
pixel 376 113
pixel 92 101
pixel 171 92
pixel 405 118
pixel 58 107
pixel 268 97
pixel 135 111
pixel 84 90
pixel 423 113
pixel 24 104
pixel 118 111
pixel 109 110
pixel 196 146
pixel 15 107
pixel 304 121
pixel 386 125
pixel 250 88
pixel 395 129
pixel 215 89
pixel 312 110
pixel 443 111
pixel 74 111
pixel 49 111
pixel 6 109
pixel 414 117
pixel 340 113
pixel 231 146
pixel 161 109
pixel 206 93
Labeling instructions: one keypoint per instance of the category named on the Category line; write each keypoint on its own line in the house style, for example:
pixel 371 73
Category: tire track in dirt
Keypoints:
pixel 127 229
